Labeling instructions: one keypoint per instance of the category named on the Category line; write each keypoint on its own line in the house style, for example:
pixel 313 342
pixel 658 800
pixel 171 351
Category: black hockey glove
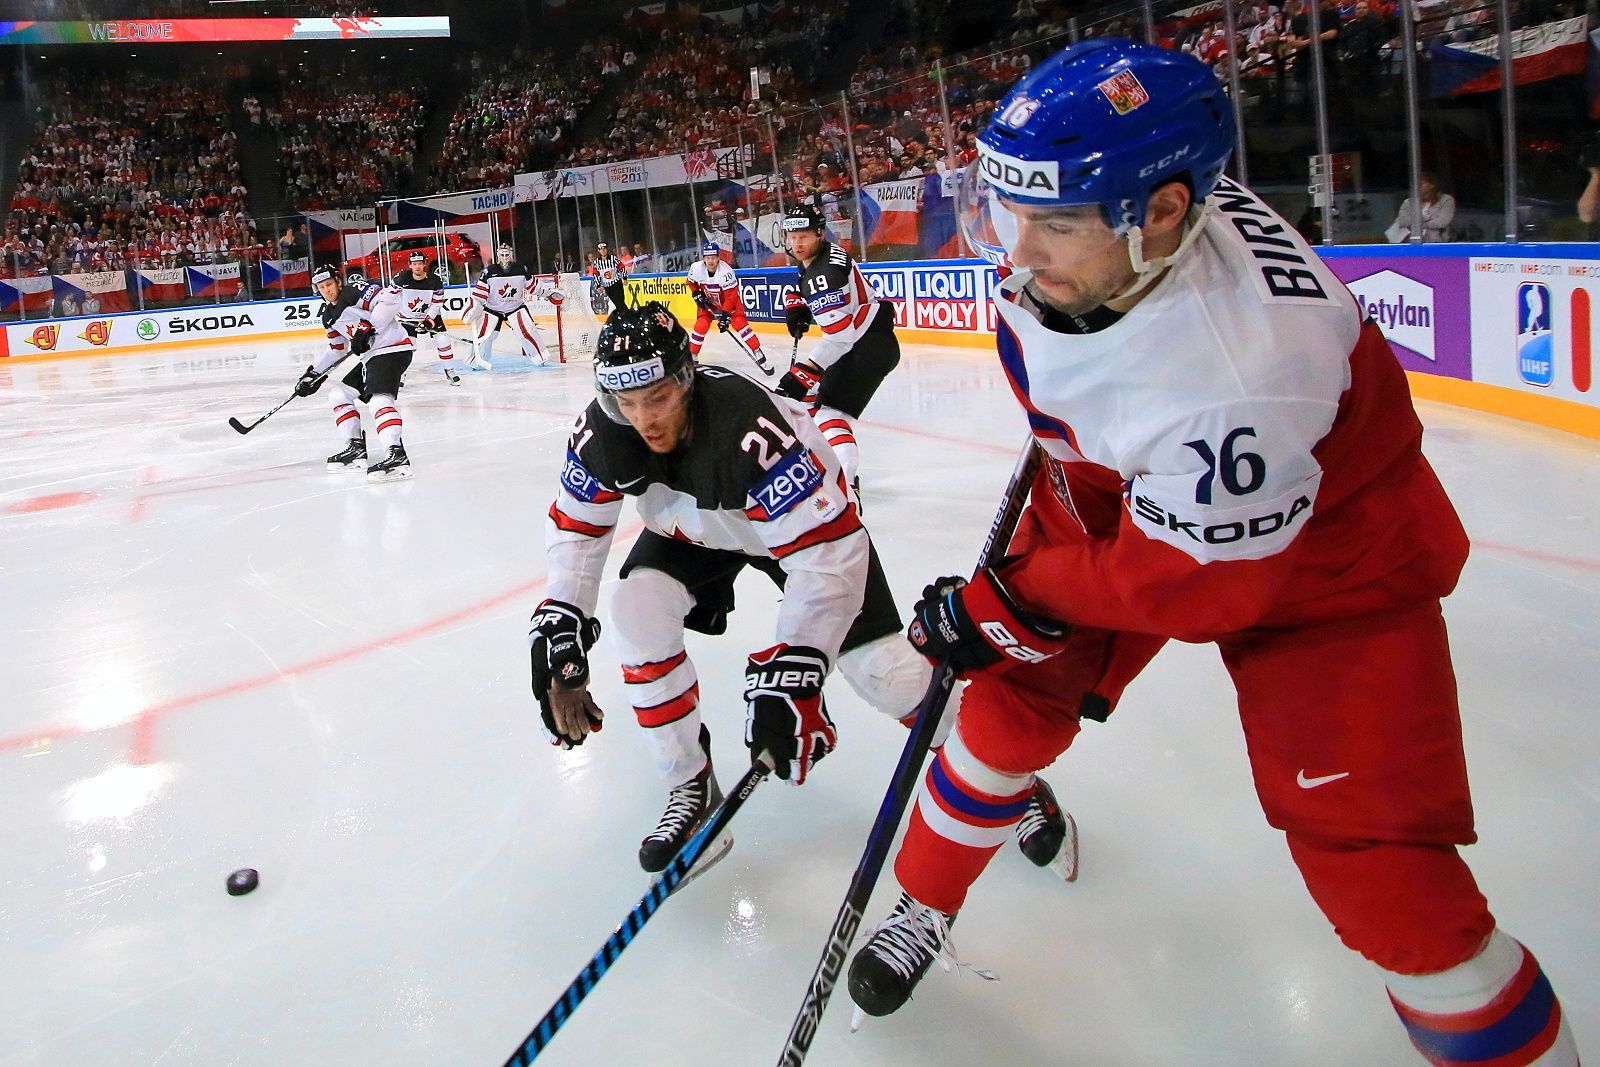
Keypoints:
pixel 800 383
pixel 701 300
pixel 436 324
pixel 361 339
pixel 309 382
pixel 723 319
pixel 559 639
pixel 796 316
pixel 977 626
pixel 785 715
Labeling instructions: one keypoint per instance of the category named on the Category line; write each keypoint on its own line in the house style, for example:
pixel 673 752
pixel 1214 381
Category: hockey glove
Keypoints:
pixel 723 319
pixel 436 324
pixel 785 715
pixel 559 639
pixel 309 382
pixel 702 301
pixel 361 338
pixel 800 383
pixel 977 626
pixel 796 316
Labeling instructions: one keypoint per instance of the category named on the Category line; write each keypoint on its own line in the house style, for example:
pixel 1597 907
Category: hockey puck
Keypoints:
pixel 242 881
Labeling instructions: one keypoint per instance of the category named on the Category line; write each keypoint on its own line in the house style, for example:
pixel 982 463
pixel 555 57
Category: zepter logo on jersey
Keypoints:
pixel 630 375
pixel 1024 177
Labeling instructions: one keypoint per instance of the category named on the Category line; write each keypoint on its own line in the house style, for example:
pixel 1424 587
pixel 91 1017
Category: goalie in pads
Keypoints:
pixel 499 299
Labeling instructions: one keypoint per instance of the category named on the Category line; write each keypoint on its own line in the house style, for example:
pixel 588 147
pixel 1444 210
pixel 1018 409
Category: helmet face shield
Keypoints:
pixel 1017 234
pixel 644 376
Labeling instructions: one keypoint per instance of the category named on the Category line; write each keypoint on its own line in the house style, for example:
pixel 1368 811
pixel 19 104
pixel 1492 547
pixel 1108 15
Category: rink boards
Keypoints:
pixel 1498 328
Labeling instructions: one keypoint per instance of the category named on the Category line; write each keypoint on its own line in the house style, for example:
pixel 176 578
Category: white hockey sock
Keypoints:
pixel 386 416
pixel 840 430
pixel 345 415
pixel 1498 1006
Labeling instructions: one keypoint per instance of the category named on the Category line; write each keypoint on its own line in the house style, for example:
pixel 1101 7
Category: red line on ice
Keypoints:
pixel 145 722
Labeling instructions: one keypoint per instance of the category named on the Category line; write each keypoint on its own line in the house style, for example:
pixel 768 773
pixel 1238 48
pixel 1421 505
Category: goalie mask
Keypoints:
pixel 505 254
pixel 640 347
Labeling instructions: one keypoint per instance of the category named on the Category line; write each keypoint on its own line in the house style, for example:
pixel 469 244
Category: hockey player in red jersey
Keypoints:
pixel 1232 457
pixel 715 290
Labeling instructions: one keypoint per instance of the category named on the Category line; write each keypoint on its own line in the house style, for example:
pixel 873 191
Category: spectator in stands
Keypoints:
pixel 1438 211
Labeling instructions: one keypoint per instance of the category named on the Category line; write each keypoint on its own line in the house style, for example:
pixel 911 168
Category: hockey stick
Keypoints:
pixel 760 361
pixel 893 808
pixel 629 928
pixel 242 428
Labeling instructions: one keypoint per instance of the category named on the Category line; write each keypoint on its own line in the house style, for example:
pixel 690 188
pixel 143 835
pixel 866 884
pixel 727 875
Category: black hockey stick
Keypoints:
pixel 759 360
pixel 629 928
pixel 242 428
pixel 893 808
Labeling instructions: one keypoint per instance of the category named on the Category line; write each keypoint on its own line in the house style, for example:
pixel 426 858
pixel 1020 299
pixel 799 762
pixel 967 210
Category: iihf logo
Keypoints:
pixel 1535 338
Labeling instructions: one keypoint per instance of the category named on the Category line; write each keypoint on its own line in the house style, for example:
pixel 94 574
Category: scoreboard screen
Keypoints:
pixel 183 31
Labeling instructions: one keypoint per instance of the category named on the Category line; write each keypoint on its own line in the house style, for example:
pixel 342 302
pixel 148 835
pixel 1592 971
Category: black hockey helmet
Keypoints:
pixel 416 257
pixel 638 347
pixel 322 274
pixel 803 217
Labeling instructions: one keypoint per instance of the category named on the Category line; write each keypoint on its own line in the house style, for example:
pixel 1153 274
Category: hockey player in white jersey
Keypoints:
pixel 423 311
pixel 715 289
pixel 838 376
pixel 725 476
pixel 363 322
pixel 1231 457
pixel 499 298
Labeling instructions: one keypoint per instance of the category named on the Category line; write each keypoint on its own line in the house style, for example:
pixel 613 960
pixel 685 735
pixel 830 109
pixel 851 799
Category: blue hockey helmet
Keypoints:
pixel 1104 122
pixel 711 248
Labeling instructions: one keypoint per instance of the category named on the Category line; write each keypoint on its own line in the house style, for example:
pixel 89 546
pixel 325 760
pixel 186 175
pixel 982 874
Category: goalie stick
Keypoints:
pixel 669 879
pixel 893 808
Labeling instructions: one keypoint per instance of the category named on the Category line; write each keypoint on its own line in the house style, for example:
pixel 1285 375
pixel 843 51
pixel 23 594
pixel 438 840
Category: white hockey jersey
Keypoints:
pixel 1239 449
pixel 503 289
pixel 714 283
pixel 377 308
pixel 756 477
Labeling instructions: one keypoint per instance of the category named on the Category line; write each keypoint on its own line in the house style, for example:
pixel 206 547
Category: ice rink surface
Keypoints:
pixel 219 655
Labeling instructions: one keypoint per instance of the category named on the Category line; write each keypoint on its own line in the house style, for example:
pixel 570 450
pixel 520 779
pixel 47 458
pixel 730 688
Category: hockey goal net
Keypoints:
pixel 562 309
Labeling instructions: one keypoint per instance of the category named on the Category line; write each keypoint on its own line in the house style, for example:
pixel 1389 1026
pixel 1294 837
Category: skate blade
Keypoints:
pixel 401 474
pixel 358 465
pixel 1066 862
pixel 714 854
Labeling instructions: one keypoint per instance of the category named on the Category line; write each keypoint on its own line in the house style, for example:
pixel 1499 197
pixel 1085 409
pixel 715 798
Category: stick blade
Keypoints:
pixel 237 425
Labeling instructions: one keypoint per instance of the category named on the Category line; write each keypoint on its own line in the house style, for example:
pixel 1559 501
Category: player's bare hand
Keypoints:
pixel 573 715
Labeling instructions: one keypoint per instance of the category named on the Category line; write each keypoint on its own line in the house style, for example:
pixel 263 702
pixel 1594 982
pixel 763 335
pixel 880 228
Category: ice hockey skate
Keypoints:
pixel 394 466
pixel 897 954
pixel 1048 835
pixel 688 807
pixel 353 457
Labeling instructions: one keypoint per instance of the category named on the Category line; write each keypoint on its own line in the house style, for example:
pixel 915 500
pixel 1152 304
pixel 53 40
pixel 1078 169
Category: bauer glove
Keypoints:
pixel 559 639
pixel 785 715
pixel 723 319
pixel 977 626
